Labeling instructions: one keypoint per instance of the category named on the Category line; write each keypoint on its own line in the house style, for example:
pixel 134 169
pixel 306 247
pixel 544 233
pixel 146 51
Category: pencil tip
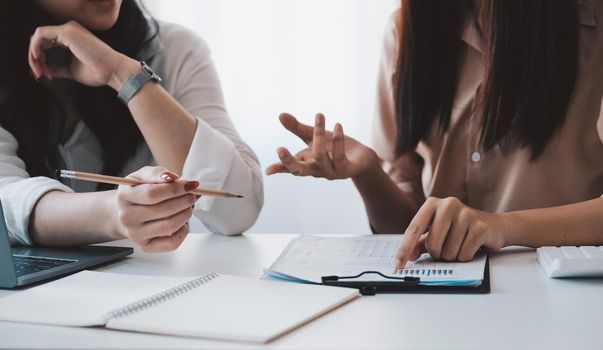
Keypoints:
pixel 57 173
pixel 239 196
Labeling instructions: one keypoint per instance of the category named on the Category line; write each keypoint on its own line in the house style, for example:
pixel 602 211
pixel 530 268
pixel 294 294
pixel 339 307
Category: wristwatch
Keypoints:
pixel 135 82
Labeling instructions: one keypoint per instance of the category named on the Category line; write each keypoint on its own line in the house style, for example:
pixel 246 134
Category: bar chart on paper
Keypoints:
pixel 308 258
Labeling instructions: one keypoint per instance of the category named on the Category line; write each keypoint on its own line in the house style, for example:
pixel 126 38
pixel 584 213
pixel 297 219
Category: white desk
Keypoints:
pixel 525 309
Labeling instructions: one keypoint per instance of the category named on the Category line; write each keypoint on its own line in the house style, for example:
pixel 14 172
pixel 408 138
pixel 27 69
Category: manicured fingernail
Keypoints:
pixel 191 185
pixel 169 176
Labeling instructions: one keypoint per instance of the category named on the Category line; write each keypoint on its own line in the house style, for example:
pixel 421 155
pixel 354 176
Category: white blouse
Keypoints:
pixel 218 157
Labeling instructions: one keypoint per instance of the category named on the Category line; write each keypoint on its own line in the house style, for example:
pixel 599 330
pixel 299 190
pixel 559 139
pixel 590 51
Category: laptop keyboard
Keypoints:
pixel 25 265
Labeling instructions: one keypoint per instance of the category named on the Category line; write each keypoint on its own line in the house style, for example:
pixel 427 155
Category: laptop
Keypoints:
pixel 21 266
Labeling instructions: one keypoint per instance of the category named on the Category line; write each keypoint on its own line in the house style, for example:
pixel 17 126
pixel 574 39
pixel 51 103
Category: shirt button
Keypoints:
pixel 476 157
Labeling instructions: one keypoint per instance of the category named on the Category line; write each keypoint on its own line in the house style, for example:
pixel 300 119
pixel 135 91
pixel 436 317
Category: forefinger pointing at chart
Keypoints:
pixel 449 230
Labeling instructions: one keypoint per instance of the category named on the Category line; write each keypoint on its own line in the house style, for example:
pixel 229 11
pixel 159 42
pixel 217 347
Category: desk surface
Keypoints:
pixel 525 309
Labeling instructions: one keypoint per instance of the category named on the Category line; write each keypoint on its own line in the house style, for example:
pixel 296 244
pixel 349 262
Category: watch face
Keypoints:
pixel 145 67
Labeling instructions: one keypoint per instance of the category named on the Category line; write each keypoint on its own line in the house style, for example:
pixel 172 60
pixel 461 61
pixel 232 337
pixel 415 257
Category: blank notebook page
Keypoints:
pixel 83 299
pixel 236 308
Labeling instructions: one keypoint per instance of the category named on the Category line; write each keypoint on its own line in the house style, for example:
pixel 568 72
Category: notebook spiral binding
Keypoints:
pixel 160 297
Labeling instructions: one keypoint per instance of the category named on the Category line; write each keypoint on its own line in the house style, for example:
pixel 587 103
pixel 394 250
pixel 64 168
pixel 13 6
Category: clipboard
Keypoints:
pixel 406 284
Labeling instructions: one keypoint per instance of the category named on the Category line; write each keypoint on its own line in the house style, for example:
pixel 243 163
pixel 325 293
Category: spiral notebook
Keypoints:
pixel 212 306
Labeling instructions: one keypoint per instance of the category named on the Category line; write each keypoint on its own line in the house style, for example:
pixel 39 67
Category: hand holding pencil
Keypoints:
pixel 151 206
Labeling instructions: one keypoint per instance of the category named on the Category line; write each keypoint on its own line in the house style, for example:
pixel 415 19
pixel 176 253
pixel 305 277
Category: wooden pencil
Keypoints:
pixel 114 180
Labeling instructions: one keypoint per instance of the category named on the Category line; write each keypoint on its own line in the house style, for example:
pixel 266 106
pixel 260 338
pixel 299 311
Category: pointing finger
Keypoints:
pixel 418 226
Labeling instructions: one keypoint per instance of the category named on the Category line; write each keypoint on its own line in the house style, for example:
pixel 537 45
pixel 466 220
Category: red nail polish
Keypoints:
pixel 191 185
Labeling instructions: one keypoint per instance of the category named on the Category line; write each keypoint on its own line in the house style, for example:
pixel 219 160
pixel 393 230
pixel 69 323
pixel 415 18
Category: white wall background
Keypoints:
pixel 302 57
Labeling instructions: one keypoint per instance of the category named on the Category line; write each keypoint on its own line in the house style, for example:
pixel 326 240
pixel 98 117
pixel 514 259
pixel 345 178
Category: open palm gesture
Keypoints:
pixel 329 155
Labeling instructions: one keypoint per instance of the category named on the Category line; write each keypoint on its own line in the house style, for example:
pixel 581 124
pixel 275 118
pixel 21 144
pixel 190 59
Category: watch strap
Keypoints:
pixel 135 82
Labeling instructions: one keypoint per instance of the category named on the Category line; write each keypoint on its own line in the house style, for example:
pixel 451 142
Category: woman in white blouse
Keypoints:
pixel 63 64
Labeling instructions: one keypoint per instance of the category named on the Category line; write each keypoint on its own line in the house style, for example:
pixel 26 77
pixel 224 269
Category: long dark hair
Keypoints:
pixel 531 62
pixel 32 114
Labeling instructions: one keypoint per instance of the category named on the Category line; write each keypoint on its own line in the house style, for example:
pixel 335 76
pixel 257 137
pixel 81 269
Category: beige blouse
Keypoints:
pixel 570 169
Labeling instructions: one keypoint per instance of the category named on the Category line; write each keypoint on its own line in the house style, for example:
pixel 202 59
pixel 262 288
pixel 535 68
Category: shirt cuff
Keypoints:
pixel 209 160
pixel 18 200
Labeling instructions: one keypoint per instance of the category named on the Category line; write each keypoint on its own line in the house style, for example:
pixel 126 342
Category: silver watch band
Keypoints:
pixel 135 82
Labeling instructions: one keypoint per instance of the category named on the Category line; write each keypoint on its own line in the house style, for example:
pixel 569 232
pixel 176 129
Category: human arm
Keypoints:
pixel 41 210
pixel 154 216
pixel 450 230
pixel 388 208
pixel 218 157
pixel 332 155
pixel 389 184
pixel 94 63
pixel 205 147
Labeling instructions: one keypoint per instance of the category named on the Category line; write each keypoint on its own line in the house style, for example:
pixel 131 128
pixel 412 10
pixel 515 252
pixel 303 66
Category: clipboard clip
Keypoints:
pixel 372 288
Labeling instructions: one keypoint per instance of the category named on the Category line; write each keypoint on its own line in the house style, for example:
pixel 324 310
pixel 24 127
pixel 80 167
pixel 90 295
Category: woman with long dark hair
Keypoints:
pixel 99 86
pixel 488 129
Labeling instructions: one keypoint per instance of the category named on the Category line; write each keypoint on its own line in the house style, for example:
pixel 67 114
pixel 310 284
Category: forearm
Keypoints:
pixel 166 126
pixel 389 209
pixel 71 219
pixel 574 224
